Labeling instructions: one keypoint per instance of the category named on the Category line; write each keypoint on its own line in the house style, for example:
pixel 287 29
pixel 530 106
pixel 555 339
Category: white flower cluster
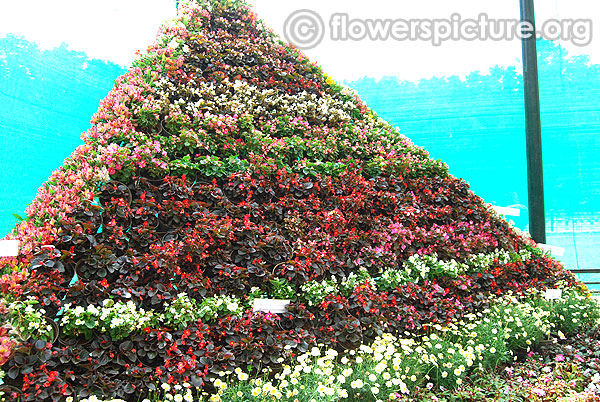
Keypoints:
pixel 347 91
pixel 243 98
pixel 390 364
pixel 392 278
pixel 348 285
pixel 116 319
pixel 324 109
pixel 184 95
pixel 576 307
pixel 481 262
pixel 179 312
pixel 26 321
pixel 123 318
pixel 36 317
pixel 315 292
pixel 418 268
pixel 76 316
pixel 594 385
pixel 101 175
pixel 321 367
pixel 214 307
pixel 504 323
pixel 175 393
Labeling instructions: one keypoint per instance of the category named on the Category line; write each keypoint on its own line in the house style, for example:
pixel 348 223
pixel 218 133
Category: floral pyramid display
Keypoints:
pixel 225 167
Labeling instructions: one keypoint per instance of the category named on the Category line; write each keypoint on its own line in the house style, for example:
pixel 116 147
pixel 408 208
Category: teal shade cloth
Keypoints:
pixel 47 98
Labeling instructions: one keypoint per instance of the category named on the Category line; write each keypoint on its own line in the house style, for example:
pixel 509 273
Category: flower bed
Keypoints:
pixel 514 350
pixel 225 167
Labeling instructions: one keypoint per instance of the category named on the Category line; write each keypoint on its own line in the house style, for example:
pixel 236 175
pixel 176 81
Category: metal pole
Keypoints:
pixel 535 171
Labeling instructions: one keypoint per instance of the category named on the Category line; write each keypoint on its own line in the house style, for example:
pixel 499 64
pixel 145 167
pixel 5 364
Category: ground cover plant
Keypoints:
pixel 224 167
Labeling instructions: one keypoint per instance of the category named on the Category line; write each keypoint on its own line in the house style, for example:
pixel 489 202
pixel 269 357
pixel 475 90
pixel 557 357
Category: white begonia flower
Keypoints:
pixel 173 44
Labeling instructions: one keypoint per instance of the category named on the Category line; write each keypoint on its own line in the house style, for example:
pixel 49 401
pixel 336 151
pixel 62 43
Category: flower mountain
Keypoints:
pixel 223 167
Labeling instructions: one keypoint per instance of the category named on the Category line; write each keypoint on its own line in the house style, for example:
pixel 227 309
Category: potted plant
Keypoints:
pixel 10 393
pixel 148 120
pixel 115 190
pixel 27 321
pixel 7 345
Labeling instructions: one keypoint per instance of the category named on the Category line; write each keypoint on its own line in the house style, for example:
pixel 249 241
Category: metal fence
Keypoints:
pixel 589 283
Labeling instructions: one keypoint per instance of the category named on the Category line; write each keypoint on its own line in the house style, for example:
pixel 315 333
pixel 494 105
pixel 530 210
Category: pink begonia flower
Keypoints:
pixel 560 358
pixel 538 391
pixel 579 358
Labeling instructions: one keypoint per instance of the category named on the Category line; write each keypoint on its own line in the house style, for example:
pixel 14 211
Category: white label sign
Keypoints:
pixel 556 251
pixel 9 248
pixel 270 306
pixel 507 211
pixel 553 294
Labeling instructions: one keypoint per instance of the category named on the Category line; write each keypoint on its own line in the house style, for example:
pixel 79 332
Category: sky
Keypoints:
pixel 420 59
pixel 114 30
pixel 110 30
